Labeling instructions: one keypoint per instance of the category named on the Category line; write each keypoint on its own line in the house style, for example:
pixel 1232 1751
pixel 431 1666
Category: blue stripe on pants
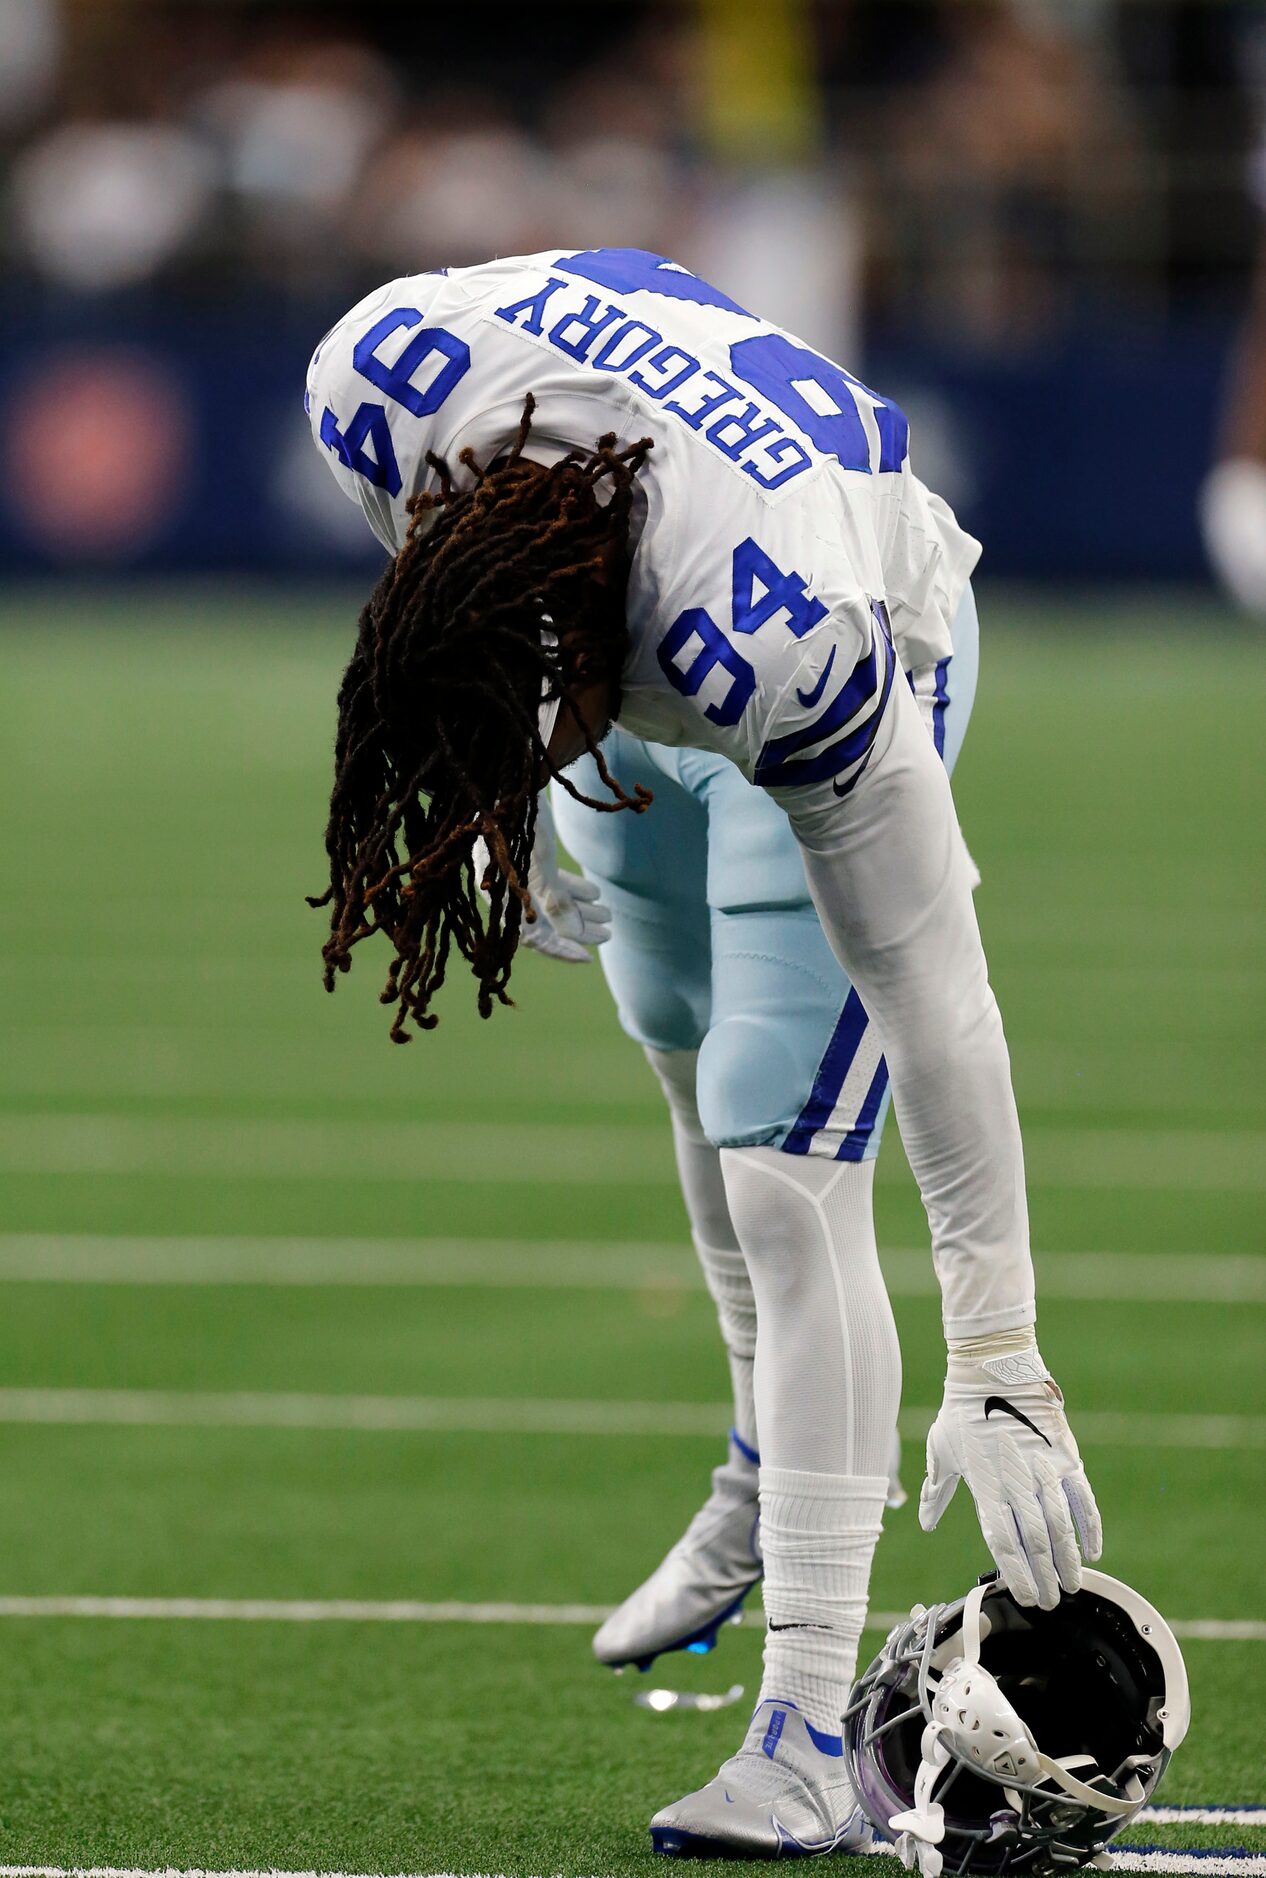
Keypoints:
pixel 829 1080
pixel 855 1143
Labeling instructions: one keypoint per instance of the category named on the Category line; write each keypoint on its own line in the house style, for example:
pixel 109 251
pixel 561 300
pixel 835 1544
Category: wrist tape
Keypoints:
pixel 1006 1356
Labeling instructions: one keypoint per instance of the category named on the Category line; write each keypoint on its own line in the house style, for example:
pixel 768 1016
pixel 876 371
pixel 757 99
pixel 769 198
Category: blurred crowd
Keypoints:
pixel 986 163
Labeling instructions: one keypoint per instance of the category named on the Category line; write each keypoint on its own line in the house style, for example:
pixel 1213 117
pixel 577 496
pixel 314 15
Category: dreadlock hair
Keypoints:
pixel 501 596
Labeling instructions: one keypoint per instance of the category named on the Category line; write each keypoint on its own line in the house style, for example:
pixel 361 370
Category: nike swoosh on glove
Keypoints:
pixel 570 917
pixel 1002 1429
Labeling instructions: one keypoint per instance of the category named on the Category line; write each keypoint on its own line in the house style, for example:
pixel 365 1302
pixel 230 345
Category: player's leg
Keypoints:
pixel 651 871
pixel 792 1087
pixel 800 1125
pixel 650 868
pixel 766 1092
pixel 828 1363
pixel 724 1268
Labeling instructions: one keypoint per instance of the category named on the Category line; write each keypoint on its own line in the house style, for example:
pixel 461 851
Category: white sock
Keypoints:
pixel 818 1533
pixel 724 1267
pixel 827 1388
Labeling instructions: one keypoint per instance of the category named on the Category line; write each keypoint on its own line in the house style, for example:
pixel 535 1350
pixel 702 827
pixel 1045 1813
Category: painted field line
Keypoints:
pixel 565 1154
pixel 1227 1861
pixel 528 1153
pixel 1221 1861
pixel 313 1611
pixel 163 1408
pixel 1201 1816
pixel 415 1611
pixel 628 1265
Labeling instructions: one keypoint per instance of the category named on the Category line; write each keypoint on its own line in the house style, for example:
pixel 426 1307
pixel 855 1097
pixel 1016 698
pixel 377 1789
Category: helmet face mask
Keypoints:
pixel 988 1737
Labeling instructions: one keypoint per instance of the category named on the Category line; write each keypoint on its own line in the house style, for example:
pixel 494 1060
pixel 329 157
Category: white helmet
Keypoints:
pixel 993 1737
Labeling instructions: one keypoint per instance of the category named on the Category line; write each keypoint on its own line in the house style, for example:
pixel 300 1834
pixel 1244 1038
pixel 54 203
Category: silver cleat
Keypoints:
pixel 702 1582
pixel 785 1794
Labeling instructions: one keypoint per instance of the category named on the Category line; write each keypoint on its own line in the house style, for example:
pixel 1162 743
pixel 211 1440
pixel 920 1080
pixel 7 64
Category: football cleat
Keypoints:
pixel 702 1582
pixel 785 1794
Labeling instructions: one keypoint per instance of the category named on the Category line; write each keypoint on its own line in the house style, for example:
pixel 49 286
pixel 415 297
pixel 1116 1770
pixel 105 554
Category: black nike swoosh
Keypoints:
pixel 844 788
pixel 810 698
pixel 1008 1408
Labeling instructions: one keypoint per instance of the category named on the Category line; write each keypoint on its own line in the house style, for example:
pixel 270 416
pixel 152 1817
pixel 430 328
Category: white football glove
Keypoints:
pixel 569 915
pixel 1002 1429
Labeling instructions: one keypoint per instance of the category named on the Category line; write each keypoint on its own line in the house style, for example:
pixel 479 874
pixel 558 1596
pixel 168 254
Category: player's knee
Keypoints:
pixel 749 1083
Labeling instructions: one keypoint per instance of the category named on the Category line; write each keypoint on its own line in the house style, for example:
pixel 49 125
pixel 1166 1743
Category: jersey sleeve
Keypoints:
pixel 892 884
pixel 928 559
pixel 741 613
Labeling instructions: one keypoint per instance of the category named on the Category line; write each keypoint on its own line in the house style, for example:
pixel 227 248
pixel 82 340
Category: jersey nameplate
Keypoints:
pixel 797 389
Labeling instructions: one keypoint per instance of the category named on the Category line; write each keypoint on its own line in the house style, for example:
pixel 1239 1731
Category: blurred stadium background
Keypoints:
pixel 1030 221
pixel 290 1316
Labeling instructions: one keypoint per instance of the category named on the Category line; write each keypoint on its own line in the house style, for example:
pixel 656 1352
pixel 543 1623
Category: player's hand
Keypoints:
pixel 570 917
pixel 1002 1429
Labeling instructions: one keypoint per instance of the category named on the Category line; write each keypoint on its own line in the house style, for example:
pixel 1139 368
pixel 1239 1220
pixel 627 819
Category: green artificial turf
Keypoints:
pixel 169 1065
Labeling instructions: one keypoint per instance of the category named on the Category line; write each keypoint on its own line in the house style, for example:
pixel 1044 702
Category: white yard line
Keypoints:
pixel 117 1259
pixel 369 1413
pixel 1202 1816
pixel 159 1408
pixel 314 1611
pixel 412 1611
pixel 479 1263
pixel 257 1148
pixel 563 1154
pixel 1226 1862
pixel 1225 1630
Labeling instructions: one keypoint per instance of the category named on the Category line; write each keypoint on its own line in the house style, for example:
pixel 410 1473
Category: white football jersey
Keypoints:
pixel 778 497
pixel 785 554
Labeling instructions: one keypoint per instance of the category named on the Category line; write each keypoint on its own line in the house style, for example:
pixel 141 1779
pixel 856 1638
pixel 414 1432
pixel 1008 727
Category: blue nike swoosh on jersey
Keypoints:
pixel 810 698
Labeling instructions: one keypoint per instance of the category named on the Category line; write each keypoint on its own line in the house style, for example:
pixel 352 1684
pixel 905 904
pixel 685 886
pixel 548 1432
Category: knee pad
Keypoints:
pixel 750 1084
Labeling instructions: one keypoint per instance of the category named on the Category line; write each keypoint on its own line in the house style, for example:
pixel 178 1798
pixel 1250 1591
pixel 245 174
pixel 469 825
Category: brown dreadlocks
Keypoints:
pixel 438 743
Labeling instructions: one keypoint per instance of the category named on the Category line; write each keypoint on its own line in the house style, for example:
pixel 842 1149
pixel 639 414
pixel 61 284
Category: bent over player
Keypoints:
pixel 744 574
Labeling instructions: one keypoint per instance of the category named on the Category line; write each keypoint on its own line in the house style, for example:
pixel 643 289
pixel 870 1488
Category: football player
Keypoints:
pixel 612 495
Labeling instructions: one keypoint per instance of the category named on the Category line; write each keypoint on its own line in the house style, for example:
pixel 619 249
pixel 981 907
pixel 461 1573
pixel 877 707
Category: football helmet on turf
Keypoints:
pixel 994 1737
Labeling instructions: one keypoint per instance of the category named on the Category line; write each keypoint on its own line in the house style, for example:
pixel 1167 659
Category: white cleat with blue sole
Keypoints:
pixel 702 1582
pixel 785 1794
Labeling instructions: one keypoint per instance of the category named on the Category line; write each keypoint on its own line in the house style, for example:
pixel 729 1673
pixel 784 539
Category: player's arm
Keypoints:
pixel 892 882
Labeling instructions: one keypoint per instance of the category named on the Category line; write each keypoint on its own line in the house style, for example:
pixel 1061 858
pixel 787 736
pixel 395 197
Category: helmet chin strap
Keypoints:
pixel 968 1704
pixel 1078 1790
pixel 972 1614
